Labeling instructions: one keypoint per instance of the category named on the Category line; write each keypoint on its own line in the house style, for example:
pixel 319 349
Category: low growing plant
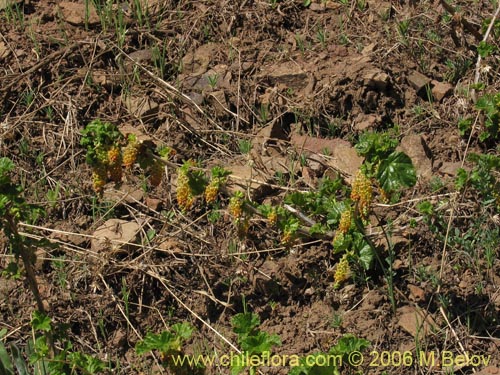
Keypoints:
pixel 104 155
pixel 489 106
pixel 252 341
pixel 14 209
pixel 335 359
pixel 169 345
pixel 109 152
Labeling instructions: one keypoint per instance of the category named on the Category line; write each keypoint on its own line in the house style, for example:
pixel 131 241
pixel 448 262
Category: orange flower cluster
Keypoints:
pixel 212 189
pixel 236 206
pixel 185 197
pixel 130 153
pixel 115 164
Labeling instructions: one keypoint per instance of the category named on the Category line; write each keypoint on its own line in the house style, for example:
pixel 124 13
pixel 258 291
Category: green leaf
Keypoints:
pixel 485 49
pixel 290 225
pixel 5 362
pixel 238 364
pixel 87 362
pixel 299 370
pixel 197 181
pixel 329 187
pixel 461 179
pixel 245 323
pixel 260 343
pixel 348 344
pixel 478 86
pixel 426 208
pixel 12 270
pixel 464 126
pixel 162 342
pixel 219 172
pixel 483 136
pixel 40 322
pixel 342 242
pixel 396 171
pixel 486 103
pixel 6 166
pixel 376 146
pixel 308 366
pixel 150 234
pixel 317 228
pixel 364 250
pixel 166 341
pixel 41 349
pixel 182 330
pixel 265 209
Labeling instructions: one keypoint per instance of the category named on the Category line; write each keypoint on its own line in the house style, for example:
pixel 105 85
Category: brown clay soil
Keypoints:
pixel 208 78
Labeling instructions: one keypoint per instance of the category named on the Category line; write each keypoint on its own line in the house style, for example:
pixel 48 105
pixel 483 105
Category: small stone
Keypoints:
pixel 128 193
pixel 339 153
pixel 75 13
pixel 141 106
pixel 366 122
pixel 171 245
pixel 218 100
pixel 309 176
pixel 440 90
pixel 4 51
pixel 490 370
pixel 139 57
pixel 415 321
pixel 115 234
pixel 315 7
pixel 288 75
pixel 375 78
pixel 415 147
pixel 153 203
pixel 419 82
pixel 416 293
pixel 398 263
pixel 369 49
pixel 450 168
pixel 197 62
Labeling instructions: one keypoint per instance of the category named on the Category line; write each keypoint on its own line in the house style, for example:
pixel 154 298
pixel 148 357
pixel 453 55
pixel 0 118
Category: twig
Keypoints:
pixel 479 58
pixel 39 65
pixel 26 257
pixel 466 24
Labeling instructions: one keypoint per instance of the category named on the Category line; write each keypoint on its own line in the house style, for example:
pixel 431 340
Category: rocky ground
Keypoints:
pixel 278 93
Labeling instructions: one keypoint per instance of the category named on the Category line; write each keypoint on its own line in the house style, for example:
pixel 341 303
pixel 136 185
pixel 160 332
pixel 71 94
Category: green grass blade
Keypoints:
pixel 5 362
pixel 19 361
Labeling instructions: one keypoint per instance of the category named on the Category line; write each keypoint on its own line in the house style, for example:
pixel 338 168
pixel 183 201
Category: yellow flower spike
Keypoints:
pixel 236 206
pixel 272 217
pixel 99 175
pixel 342 272
pixel 345 220
pixel 212 190
pixel 130 153
pixel 362 192
pixel 185 197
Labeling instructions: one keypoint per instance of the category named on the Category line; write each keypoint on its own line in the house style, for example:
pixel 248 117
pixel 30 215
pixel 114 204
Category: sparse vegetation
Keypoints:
pixel 331 166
